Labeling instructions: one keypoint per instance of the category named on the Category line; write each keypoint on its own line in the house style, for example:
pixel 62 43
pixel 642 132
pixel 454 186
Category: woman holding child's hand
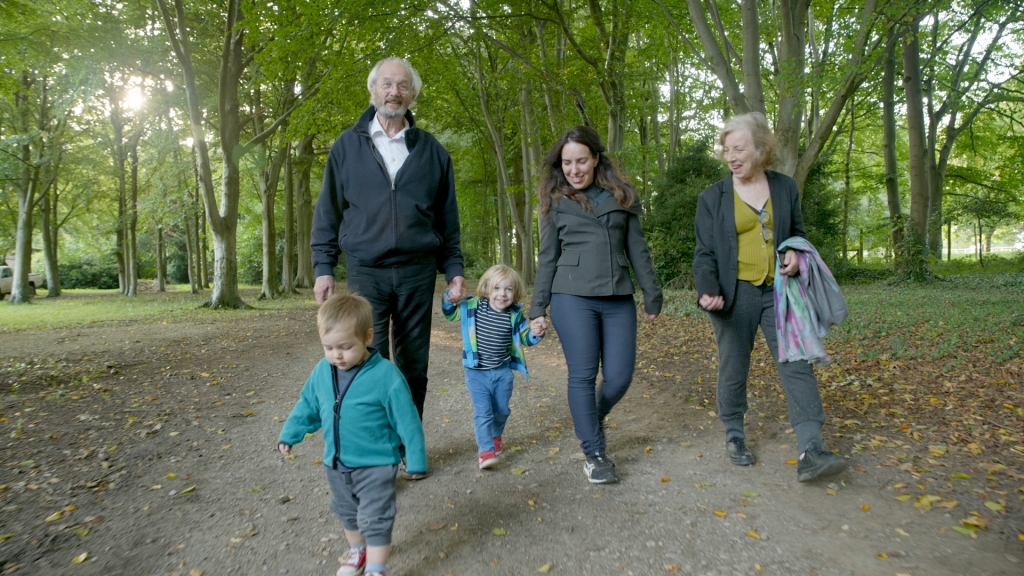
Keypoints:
pixel 590 236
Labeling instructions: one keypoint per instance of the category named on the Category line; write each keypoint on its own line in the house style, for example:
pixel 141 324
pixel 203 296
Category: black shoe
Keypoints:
pixel 599 469
pixel 816 462
pixel 738 452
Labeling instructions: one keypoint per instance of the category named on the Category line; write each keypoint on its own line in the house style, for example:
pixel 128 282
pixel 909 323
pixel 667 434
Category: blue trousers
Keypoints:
pixel 735 330
pixel 490 391
pixel 595 332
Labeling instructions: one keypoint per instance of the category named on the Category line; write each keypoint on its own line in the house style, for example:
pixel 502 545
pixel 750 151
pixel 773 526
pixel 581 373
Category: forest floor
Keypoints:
pixel 148 447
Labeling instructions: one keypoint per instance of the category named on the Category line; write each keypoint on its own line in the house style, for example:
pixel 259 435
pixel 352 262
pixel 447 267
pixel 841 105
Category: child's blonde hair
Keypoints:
pixel 345 311
pixel 496 274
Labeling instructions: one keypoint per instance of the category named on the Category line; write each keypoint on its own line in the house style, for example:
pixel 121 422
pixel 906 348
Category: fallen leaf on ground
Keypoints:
pixel 545 568
pixel 994 506
pixel 519 471
pixel 720 513
pixel 882 556
pixel 666 479
pixel 704 484
pixel 902 531
pixel 80 558
pixel 750 494
pixel 437 526
pixel 754 534
pixel 499 531
pixel 54 517
pixel 865 507
pixel 791 462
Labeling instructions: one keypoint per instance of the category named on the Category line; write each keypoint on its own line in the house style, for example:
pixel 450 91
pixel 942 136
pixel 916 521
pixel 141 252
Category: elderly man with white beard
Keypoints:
pixel 388 203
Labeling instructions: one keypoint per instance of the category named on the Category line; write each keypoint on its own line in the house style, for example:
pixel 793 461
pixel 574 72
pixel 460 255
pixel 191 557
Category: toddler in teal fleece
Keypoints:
pixel 363 404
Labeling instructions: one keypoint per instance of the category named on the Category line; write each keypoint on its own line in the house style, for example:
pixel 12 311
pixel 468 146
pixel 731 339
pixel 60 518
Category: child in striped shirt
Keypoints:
pixel 494 331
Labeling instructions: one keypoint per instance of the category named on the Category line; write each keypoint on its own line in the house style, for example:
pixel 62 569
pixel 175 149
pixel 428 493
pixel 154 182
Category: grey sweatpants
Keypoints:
pixel 735 331
pixel 364 500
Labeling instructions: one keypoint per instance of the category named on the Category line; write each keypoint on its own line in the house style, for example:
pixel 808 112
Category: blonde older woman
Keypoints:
pixel 741 220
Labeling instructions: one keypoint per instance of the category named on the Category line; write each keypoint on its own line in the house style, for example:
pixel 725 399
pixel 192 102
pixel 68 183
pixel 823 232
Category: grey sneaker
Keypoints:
pixel 599 469
pixel 816 462
pixel 738 452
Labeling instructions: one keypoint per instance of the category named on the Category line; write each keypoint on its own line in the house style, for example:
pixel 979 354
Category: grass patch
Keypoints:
pixel 82 307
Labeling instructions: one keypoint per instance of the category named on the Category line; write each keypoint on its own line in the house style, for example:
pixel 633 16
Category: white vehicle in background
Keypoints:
pixel 7 281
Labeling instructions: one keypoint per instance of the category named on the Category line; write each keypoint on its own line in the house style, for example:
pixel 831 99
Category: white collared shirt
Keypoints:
pixel 393 151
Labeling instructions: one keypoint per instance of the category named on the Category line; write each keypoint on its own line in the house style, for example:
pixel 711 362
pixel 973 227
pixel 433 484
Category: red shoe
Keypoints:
pixel 497 444
pixel 488 459
pixel 353 562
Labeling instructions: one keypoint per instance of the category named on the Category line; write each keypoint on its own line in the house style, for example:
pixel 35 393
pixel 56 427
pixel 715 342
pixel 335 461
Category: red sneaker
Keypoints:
pixel 497 444
pixel 488 459
pixel 353 562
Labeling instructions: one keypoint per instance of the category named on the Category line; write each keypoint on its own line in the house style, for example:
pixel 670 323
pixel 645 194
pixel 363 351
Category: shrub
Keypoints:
pixel 89 272
pixel 670 222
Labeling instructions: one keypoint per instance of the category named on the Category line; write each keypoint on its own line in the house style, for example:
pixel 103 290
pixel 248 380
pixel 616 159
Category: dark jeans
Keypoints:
pixel 595 331
pixel 735 331
pixel 403 299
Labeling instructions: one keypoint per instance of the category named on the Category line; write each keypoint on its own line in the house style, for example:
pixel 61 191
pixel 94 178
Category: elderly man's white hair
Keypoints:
pixel 417 83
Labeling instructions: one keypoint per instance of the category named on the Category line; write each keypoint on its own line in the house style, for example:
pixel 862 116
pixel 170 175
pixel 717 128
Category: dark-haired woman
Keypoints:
pixel 590 235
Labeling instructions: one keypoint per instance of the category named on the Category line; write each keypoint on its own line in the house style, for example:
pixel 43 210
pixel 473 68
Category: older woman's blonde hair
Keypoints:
pixel 496 274
pixel 765 145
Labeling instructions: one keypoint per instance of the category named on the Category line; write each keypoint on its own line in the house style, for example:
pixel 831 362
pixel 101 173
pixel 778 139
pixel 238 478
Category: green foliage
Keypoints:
pixel 822 213
pixel 89 272
pixel 670 222
pixel 82 307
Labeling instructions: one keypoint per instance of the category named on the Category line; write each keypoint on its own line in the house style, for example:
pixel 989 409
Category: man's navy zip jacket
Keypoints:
pixel 379 222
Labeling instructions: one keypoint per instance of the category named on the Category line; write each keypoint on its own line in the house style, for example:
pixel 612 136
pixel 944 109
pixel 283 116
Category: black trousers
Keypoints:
pixel 403 299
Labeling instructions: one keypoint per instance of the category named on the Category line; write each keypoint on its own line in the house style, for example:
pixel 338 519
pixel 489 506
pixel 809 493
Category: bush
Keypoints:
pixel 90 272
pixel 670 223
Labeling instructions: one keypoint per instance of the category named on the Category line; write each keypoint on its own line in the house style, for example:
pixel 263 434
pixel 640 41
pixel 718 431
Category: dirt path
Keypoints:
pixel 153 452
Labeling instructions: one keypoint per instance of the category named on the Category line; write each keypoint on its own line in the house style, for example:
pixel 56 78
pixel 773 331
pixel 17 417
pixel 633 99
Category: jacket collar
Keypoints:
pixel 362 126
pixel 609 204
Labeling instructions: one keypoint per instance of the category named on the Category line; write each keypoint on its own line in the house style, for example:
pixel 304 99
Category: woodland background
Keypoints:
pixel 184 141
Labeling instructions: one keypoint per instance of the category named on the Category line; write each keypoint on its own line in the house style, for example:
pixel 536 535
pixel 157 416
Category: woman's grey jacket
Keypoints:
pixel 715 257
pixel 589 254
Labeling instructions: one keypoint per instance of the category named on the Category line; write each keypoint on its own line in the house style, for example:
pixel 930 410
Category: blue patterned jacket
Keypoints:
pixel 520 327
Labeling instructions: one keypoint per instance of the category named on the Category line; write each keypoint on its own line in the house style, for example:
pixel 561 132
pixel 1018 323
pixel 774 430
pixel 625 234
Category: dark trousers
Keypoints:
pixel 595 331
pixel 364 500
pixel 403 299
pixel 735 331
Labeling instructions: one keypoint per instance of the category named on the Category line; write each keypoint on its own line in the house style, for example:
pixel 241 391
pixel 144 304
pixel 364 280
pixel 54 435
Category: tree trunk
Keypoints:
pixel 288 257
pixel 892 182
pixel 496 139
pixel 789 122
pixel 120 159
pixel 268 179
pixel 847 192
pixel 916 135
pixel 132 213
pixel 49 224
pixel 304 214
pixel 915 262
pixel 161 260
pixel 190 256
pixel 531 163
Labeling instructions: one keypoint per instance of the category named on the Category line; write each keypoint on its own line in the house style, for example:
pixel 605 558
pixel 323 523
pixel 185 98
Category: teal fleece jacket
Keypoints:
pixel 376 416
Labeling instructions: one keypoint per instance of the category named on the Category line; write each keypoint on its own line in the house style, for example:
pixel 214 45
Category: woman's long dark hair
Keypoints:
pixel 606 174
